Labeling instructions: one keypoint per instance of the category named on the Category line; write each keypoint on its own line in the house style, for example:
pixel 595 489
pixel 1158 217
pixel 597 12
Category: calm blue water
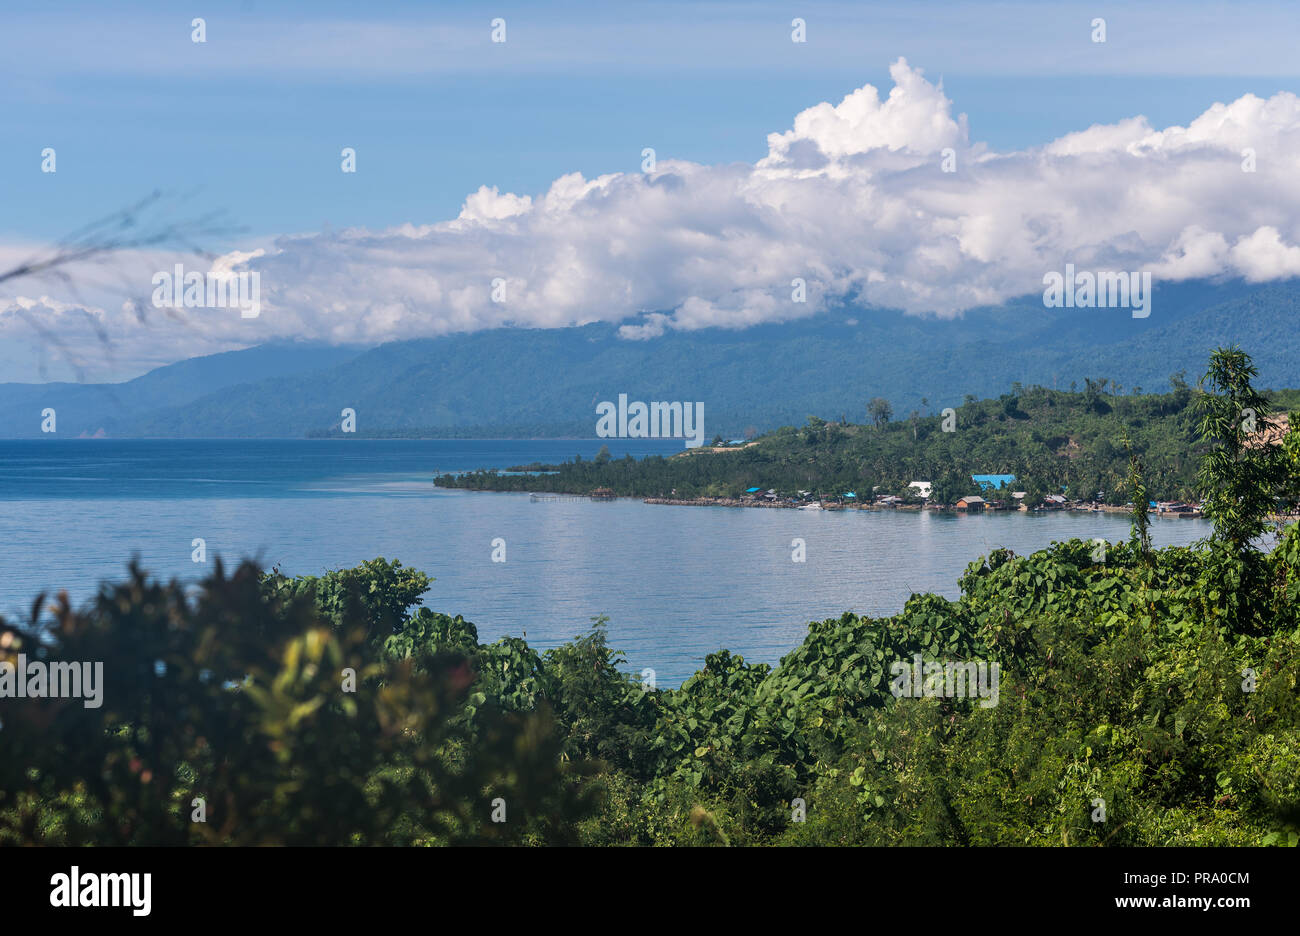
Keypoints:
pixel 676 582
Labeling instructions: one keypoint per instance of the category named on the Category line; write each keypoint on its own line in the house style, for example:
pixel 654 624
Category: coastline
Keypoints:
pixel 746 502
pixel 1079 508
pixel 795 505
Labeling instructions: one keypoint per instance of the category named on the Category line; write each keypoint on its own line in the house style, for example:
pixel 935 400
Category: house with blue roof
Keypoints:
pixel 994 481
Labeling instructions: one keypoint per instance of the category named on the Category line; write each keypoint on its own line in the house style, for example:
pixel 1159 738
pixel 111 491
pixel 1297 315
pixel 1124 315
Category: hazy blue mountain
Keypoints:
pixel 535 382
pixel 117 408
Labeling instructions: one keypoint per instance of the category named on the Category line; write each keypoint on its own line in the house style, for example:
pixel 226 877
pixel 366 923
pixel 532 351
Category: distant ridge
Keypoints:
pixel 546 382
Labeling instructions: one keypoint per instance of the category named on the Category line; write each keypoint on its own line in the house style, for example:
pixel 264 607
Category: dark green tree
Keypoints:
pixel 949 487
pixel 1035 491
pixel 1238 478
pixel 1140 529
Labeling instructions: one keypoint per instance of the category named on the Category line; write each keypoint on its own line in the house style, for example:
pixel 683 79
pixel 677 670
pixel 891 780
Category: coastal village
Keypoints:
pixel 997 494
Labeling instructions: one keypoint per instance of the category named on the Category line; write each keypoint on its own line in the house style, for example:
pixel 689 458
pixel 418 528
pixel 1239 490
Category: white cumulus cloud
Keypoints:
pixel 853 199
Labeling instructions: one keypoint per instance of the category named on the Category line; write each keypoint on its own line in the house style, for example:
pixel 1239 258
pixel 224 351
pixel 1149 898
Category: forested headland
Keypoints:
pixel 1054 441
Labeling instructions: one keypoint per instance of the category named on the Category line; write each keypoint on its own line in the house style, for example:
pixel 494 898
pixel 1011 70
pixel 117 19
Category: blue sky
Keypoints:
pixel 252 122
pixel 520 162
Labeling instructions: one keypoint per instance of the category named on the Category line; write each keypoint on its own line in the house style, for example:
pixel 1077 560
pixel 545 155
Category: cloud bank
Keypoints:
pixel 853 200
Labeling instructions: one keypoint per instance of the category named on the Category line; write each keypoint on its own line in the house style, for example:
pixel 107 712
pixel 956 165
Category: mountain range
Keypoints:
pixel 516 382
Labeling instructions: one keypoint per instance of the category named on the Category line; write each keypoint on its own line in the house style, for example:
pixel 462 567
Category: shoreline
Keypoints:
pixel 745 502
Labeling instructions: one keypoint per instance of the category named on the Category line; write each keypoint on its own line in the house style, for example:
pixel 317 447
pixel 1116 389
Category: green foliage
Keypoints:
pixel 1121 681
pixel 1140 535
pixel 378 592
pixel 1239 483
pixel 283 719
pixel 604 714
pixel 1289 456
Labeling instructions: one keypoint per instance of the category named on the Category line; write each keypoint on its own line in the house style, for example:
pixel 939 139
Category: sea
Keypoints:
pixel 675 582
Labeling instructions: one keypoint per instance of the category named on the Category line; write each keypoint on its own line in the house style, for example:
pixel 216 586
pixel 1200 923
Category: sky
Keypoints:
pixel 522 161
